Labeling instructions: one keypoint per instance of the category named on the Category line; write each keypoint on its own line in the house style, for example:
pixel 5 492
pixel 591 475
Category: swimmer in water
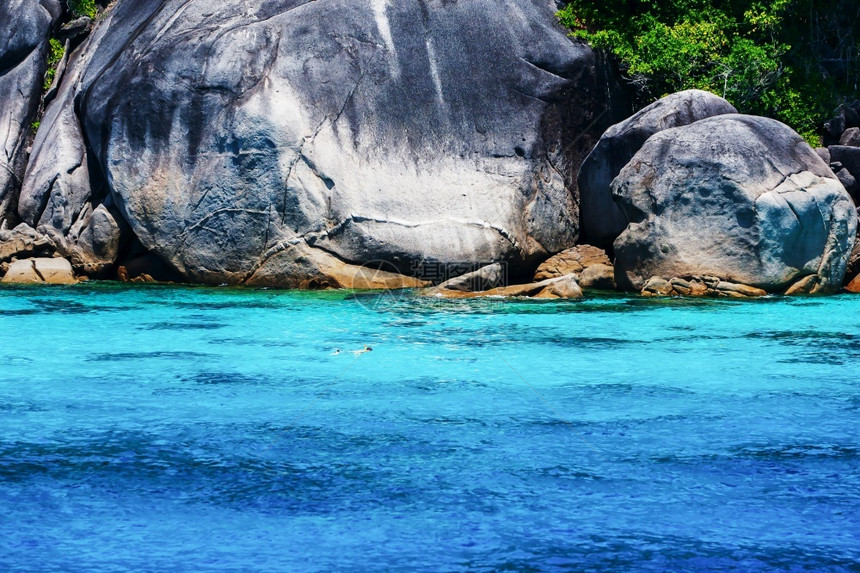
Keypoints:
pixel 362 351
pixel 336 352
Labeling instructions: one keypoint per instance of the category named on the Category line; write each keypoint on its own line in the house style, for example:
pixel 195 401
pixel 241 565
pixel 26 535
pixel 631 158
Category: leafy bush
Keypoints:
pixel 83 8
pixel 794 60
pixel 55 54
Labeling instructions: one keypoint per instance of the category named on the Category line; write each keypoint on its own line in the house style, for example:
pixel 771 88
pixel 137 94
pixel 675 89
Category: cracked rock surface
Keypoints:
pixel 737 197
pixel 24 30
pixel 287 142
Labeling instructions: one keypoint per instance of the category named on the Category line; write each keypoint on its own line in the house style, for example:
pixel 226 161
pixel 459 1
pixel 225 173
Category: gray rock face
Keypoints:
pixel 59 197
pixel 24 31
pixel 602 219
pixel 267 144
pixel 737 197
pixel 851 137
pixel 23 242
pixel 848 156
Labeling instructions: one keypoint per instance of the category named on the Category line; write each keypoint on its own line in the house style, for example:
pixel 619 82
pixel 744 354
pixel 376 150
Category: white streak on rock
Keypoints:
pixel 434 72
pixel 384 27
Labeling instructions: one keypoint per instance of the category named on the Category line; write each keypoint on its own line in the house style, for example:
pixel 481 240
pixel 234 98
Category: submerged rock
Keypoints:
pixel 602 219
pixel 54 271
pixel 737 197
pixel 277 143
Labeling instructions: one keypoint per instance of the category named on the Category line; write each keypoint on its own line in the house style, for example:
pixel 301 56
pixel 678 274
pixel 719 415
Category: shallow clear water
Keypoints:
pixel 161 428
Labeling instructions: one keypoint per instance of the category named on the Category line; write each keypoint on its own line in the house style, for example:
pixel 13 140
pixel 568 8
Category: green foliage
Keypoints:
pixel 794 60
pixel 55 54
pixel 35 126
pixel 83 8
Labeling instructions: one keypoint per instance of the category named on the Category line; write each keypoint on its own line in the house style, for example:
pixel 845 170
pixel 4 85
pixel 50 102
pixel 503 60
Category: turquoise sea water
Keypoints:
pixel 191 429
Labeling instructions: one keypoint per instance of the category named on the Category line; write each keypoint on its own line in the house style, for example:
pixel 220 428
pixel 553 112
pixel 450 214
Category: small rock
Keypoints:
pixel 564 287
pixel 849 157
pixel 55 271
pixel 530 289
pixel 145 264
pixel 854 285
pixel 485 278
pixel 849 182
pixel 559 287
pixel 834 129
pixel 144 278
pixel 572 261
pixel 657 286
pixel 824 154
pixel 738 290
pixel 853 267
pixel 75 28
pixel 846 179
pixel 682 287
pixel 850 137
pixel 22 242
pixel 598 277
pixel 699 287
pixel 807 285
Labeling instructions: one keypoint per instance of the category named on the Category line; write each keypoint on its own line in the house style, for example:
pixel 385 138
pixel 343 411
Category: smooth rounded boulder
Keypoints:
pixel 272 144
pixel 602 219
pixel 54 271
pixel 737 197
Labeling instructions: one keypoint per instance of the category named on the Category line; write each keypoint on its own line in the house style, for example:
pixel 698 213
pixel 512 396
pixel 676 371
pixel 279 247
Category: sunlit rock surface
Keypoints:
pixel 271 143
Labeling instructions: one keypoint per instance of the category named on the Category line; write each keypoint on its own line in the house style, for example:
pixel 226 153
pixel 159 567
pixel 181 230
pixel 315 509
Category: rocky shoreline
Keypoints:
pixel 274 146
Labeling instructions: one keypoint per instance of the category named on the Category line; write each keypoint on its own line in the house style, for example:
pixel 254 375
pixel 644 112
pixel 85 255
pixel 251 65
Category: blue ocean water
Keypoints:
pixel 196 429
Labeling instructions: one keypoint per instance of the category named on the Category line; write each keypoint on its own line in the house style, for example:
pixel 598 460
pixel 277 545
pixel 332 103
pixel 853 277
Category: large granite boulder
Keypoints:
pixel 737 197
pixel 602 219
pixel 276 143
pixel 25 26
